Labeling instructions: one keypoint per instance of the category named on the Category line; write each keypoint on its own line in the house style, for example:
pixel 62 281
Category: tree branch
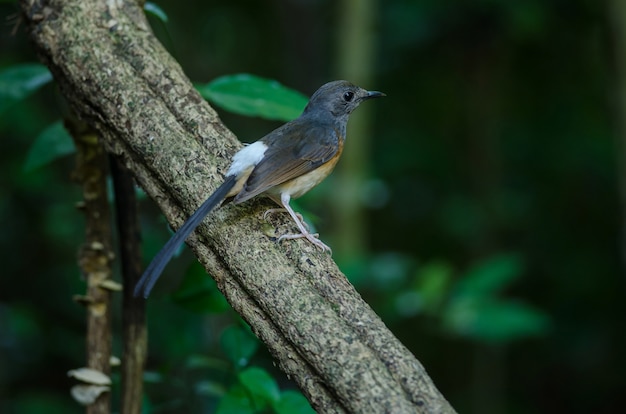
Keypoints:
pixel 135 334
pixel 96 254
pixel 118 77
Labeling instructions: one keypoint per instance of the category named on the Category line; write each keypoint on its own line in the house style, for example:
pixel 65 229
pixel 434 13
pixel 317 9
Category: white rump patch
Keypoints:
pixel 248 156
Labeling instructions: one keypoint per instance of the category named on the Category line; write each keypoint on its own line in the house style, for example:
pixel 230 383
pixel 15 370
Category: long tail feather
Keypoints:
pixel 154 269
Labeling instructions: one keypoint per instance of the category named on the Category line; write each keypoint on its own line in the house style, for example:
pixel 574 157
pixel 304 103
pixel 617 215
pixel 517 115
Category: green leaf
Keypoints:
pixel 198 292
pixel 495 321
pixel 490 276
pixel 37 401
pixel 390 270
pixel 260 385
pixel 199 361
pixel 20 81
pixel 153 377
pixel 432 282
pixel 239 345
pixel 209 388
pixel 53 142
pixel 292 402
pixel 236 401
pixel 155 10
pixel 254 96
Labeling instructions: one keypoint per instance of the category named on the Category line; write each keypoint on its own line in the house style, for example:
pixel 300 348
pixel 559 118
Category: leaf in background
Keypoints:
pixel 153 377
pixel 490 276
pixel 236 401
pixel 198 292
pixel 389 271
pixel 42 401
pixel 208 388
pixel 260 385
pixel 254 96
pixel 292 402
pixel 495 321
pixel 432 283
pixel 239 345
pixel 155 10
pixel 19 81
pixel 200 361
pixel 53 142
pixel 476 311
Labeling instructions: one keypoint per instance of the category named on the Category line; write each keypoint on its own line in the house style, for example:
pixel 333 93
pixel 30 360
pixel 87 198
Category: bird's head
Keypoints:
pixel 338 98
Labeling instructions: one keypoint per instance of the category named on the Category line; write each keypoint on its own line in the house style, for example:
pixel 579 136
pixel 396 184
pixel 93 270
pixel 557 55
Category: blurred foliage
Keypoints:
pixel 198 293
pixel 471 304
pixel 53 142
pixel 492 206
pixel 20 81
pixel 156 11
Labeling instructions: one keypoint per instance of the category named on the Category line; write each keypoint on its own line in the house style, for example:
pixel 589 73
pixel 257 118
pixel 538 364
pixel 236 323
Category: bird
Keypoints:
pixel 283 165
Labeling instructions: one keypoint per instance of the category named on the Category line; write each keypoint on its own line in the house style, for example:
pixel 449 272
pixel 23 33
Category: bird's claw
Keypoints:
pixel 312 237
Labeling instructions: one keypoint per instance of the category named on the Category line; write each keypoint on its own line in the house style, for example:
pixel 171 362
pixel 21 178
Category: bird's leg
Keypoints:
pixel 284 210
pixel 304 232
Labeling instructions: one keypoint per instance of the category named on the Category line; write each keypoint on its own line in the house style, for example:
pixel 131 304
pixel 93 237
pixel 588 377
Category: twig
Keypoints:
pixel 133 309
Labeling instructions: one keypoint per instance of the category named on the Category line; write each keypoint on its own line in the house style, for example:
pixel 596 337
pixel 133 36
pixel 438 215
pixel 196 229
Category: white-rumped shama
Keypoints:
pixel 284 164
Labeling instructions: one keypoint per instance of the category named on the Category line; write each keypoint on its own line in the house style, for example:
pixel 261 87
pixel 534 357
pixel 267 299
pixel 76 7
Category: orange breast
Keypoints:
pixel 301 185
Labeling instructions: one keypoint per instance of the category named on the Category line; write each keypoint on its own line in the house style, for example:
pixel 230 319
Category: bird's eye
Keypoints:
pixel 348 96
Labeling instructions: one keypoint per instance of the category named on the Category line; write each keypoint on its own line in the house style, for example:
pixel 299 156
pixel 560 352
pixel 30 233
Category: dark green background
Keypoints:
pixel 495 153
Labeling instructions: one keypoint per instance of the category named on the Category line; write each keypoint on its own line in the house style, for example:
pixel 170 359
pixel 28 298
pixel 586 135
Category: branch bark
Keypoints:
pixel 96 254
pixel 135 335
pixel 118 77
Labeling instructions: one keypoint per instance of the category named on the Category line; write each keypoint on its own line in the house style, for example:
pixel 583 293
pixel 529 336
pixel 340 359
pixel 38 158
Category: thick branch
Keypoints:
pixel 120 79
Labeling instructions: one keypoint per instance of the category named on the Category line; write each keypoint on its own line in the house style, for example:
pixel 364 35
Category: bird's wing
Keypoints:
pixel 293 150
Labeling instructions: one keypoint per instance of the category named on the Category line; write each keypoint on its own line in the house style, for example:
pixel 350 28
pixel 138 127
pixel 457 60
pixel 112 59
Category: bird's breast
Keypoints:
pixel 298 186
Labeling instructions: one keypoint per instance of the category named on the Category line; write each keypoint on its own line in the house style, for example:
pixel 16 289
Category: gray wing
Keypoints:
pixel 294 150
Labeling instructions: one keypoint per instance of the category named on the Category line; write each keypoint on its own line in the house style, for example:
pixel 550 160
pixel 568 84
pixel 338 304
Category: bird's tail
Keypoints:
pixel 154 269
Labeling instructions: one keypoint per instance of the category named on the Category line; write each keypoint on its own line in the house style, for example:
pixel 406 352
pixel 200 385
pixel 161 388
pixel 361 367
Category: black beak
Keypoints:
pixel 374 94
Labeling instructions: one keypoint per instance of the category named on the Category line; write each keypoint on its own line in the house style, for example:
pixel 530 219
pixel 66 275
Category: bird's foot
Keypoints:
pixel 303 227
pixel 312 237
